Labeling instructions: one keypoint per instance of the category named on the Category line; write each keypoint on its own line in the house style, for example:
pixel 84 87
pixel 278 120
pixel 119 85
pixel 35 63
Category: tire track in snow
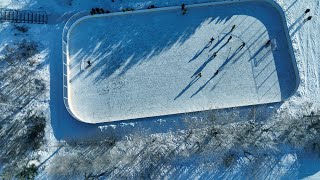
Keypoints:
pixel 296 44
pixel 301 55
pixel 315 43
pixel 307 54
pixel 311 71
pixel 313 67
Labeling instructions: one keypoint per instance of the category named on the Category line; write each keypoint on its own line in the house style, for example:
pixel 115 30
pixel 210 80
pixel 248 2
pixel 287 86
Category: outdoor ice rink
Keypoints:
pixel 146 63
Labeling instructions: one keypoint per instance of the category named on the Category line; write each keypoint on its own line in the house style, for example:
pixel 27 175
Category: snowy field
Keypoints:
pixel 148 63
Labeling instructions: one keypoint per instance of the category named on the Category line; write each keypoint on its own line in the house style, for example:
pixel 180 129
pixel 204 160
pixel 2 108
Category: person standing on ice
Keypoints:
pixel 89 63
pixel 183 8
pixel 307 10
pixel 93 11
pixel 233 27
pixel 211 40
pixel 242 45
pixel 214 54
pixel 229 39
pixel 98 11
pixel 268 43
pixel 309 18
pixel 216 73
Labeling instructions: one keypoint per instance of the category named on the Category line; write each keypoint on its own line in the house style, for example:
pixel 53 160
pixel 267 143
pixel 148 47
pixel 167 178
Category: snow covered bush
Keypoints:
pixel 22 28
pixel 28 172
pixel 35 125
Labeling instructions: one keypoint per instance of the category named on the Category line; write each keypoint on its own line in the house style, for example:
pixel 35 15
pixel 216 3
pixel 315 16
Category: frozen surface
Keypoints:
pixel 146 64
pixel 71 162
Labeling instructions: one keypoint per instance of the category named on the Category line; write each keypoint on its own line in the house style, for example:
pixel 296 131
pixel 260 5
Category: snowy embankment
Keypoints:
pixel 272 141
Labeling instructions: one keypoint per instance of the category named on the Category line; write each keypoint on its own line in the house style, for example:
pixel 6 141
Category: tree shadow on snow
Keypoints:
pixel 126 50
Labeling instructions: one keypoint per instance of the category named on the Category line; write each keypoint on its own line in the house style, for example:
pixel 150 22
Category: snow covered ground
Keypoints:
pixel 271 141
pixel 147 63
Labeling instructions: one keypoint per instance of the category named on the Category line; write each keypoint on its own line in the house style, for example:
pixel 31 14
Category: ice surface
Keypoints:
pixel 146 64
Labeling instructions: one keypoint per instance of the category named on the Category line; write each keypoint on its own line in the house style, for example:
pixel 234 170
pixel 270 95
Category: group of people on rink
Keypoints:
pixel 268 43
pixel 215 53
pixel 184 10
pixel 98 11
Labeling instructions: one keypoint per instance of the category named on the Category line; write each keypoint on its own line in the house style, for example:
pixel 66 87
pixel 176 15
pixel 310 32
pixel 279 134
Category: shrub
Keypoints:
pixel 22 29
pixel 35 131
pixel 28 172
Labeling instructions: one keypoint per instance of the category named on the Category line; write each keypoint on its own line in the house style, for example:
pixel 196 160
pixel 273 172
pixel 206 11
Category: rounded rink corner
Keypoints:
pixel 173 60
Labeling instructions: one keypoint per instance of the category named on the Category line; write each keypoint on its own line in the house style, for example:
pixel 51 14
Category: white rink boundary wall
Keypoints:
pixel 83 15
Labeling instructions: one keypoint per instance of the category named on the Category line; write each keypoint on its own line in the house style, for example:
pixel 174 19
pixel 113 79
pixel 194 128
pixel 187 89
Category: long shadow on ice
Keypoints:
pixel 128 42
pixel 119 43
pixel 219 70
